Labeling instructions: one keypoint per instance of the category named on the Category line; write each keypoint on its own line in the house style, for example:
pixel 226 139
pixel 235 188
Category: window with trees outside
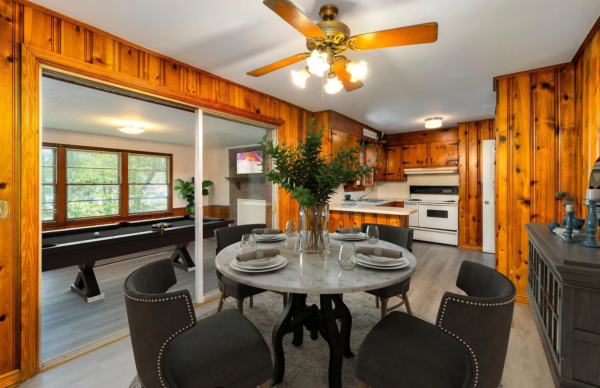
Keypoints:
pixel 80 183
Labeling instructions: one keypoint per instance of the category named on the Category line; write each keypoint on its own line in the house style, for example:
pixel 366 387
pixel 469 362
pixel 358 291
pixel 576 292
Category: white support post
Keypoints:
pixel 198 242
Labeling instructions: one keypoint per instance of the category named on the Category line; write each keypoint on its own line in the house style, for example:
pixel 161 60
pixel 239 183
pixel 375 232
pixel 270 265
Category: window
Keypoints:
pixel 93 183
pixel 49 184
pixel 148 178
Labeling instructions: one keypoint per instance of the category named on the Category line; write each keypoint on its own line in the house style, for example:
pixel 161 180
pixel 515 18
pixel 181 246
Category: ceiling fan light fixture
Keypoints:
pixel 132 130
pixel 333 84
pixel 300 77
pixel 317 63
pixel 433 122
pixel 357 70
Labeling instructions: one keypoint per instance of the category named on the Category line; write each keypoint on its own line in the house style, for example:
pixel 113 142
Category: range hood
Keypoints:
pixel 431 170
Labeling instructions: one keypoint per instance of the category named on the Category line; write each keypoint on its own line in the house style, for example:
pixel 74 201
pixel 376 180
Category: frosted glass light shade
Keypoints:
pixel 300 77
pixel 333 85
pixel 132 130
pixel 317 63
pixel 357 70
pixel 433 122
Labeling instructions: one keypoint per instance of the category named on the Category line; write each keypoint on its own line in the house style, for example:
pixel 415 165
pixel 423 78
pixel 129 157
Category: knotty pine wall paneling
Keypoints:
pixel 423 137
pixel 470 208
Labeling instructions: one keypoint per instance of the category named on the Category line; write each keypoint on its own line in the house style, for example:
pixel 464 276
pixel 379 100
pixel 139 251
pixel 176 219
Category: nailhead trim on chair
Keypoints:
pixel 460 339
pixel 162 349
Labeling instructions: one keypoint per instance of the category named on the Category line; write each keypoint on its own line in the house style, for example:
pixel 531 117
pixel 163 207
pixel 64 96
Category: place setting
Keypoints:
pixel 253 260
pixel 349 234
pixel 267 235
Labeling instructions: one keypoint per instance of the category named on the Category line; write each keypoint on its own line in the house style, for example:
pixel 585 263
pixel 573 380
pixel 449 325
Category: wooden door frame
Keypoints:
pixel 28 83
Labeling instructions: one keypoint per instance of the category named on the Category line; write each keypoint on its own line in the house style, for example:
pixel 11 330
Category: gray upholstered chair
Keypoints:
pixel 404 238
pixel 465 348
pixel 228 287
pixel 172 349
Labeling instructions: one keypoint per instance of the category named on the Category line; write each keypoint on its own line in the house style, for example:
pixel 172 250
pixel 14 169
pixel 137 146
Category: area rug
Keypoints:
pixel 307 365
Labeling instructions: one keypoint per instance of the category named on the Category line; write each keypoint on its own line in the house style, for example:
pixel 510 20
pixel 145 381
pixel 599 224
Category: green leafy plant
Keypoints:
pixel 187 191
pixel 307 173
pixel 565 197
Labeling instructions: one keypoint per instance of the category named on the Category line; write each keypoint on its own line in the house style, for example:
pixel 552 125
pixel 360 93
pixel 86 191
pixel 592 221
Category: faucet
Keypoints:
pixel 362 196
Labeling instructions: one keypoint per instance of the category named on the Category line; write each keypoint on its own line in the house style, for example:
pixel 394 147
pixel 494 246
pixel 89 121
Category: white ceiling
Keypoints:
pixel 73 108
pixel 452 78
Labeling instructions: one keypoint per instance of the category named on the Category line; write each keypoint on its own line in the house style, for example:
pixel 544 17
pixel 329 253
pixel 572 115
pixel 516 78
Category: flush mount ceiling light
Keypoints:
pixel 327 39
pixel 433 122
pixel 132 130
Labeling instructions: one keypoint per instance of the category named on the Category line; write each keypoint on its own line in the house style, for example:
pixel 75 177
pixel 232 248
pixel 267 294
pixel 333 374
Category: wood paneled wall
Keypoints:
pixel 537 147
pixel 470 226
pixel 423 137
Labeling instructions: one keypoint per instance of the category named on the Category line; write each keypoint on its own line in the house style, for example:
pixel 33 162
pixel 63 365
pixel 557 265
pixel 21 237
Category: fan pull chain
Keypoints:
pixel 322 89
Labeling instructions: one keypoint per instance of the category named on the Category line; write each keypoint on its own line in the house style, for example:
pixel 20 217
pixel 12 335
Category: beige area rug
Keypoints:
pixel 307 365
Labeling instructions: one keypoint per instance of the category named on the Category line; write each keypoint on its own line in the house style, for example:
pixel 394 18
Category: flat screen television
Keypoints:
pixel 249 162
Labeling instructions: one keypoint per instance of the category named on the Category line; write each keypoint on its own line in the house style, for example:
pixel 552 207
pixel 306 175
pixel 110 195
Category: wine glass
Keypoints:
pixel 291 229
pixel 248 243
pixel 347 258
pixel 372 234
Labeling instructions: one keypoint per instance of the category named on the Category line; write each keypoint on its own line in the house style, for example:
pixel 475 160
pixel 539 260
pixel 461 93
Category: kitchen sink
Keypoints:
pixel 375 200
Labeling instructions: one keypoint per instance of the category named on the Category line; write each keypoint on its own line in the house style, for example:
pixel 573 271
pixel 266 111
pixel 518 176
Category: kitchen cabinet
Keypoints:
pixel 443 154
pixel 381 169
pixel 370 157
pixel 415 156
pixel 395 169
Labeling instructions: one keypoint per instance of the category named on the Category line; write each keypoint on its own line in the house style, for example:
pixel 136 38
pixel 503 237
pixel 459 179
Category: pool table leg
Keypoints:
pixel 181 258
pixel 86 284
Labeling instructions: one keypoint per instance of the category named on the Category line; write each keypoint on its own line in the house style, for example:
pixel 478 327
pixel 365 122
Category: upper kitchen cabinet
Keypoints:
pixel 381 169
pixel 415 156
pixel 395 169
pixel 443 154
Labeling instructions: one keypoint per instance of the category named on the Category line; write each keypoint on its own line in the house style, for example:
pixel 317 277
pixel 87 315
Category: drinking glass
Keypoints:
pixel 372 234
pixel 248 243
pixel 347 257
pixel 291 229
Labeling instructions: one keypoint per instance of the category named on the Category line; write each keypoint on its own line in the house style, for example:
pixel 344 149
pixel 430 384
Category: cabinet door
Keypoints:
pixel 395 171
pixel 381 169
pixel 415 156
pixel 443 154
pixel 370 155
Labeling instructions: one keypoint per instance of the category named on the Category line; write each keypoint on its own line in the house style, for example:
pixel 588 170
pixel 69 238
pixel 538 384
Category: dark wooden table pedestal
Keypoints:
pixel 297 316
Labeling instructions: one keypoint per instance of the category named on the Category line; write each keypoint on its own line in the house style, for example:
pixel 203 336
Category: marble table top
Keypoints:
pixel 315 273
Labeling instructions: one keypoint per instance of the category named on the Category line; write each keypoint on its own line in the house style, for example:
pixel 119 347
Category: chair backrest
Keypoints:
pixel 233 234
pixel 155 317
pixel 394 234
pixel 481 320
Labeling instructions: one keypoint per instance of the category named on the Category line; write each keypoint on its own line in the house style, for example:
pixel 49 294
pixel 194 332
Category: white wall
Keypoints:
pixel 183 156
pixel 216 168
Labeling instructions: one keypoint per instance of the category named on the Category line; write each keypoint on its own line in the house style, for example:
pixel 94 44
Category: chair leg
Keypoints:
pixel 377 301
pixel 384 309
pixel 251 301
pixel 408 309
pixel 223 296
pixel 360 385
pixel 240 305
pixel 285 299
pixel 266 384
pixel 342 297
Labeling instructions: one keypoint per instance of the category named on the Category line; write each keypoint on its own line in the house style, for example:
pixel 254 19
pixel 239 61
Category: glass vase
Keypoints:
pixel 314 228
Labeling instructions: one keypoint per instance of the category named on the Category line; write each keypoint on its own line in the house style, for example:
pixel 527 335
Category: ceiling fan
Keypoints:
pixel 327 39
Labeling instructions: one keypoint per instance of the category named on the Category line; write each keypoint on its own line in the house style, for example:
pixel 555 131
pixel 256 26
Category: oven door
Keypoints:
pixel 440 216
pixel 413 219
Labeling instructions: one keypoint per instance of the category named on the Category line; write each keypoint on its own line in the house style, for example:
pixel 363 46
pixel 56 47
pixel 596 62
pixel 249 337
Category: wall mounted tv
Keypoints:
pixel 249 162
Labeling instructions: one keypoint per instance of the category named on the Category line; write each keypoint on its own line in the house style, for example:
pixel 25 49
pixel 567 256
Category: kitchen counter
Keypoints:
pixel 370 207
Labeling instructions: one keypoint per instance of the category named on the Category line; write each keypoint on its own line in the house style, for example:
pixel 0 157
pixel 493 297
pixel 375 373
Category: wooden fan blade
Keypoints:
pixel 403 36
pixel 276 66
pixel 291 14
pixel 345 77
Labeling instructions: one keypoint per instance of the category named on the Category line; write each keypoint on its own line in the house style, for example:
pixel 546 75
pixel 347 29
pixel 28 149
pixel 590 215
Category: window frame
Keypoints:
pixel 61 219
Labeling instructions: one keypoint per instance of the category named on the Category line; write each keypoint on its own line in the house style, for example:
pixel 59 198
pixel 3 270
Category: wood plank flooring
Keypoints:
pixel 438 265
pixel 68 322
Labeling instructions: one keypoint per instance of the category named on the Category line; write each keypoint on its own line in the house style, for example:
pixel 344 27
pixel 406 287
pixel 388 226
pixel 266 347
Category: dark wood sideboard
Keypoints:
pixel 564 293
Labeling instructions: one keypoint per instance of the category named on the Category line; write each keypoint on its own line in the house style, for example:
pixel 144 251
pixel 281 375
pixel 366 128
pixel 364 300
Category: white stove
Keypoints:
pixel 436 219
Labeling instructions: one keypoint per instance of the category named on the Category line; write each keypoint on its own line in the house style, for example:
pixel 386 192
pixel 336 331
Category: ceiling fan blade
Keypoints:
pixel 403 36
pixel 277 65
pixel 345 77
pixel 292 14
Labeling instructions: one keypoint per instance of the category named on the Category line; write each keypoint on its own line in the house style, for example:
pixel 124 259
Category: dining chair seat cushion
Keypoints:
pixel 400 343
pixel 391 291
pixel 223 350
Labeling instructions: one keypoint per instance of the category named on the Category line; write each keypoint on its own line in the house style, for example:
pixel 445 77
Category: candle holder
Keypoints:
pixel 569 224
pixel 591 225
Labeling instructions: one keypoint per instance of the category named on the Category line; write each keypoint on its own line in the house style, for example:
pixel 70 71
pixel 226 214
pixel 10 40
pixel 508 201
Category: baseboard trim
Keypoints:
pixel 522 299
pixel 10 379
pixel 471 247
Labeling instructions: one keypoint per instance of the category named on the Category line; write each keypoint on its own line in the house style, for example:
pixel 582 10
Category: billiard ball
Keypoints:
pixel 96 234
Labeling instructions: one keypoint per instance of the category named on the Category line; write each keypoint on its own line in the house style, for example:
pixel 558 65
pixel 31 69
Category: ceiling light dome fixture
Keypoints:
pixel 132 130
pixel 433 122
pixel 300 77
pixel 357 70
pixel 318 63
pixel 333 84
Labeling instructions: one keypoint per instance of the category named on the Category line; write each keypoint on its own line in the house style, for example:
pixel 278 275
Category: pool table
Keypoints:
pixel 80 246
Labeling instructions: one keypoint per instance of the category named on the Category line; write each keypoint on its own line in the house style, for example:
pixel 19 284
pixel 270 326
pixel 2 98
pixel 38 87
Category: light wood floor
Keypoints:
pixel 68 322
pixel 438 265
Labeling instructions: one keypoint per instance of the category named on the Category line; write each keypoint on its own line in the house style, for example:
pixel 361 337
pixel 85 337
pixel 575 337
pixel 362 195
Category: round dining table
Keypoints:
pixel 318 274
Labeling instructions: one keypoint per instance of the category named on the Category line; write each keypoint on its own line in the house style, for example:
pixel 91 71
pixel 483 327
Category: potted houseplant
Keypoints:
pixel 312 177
pixel 187 192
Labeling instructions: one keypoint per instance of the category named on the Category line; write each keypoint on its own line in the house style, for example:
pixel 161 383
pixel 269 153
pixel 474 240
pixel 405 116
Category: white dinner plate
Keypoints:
pixel 400 266
pixel 380 261
pixel 264 263
pixel 349 237
pixel 269 237
pixel 234 265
